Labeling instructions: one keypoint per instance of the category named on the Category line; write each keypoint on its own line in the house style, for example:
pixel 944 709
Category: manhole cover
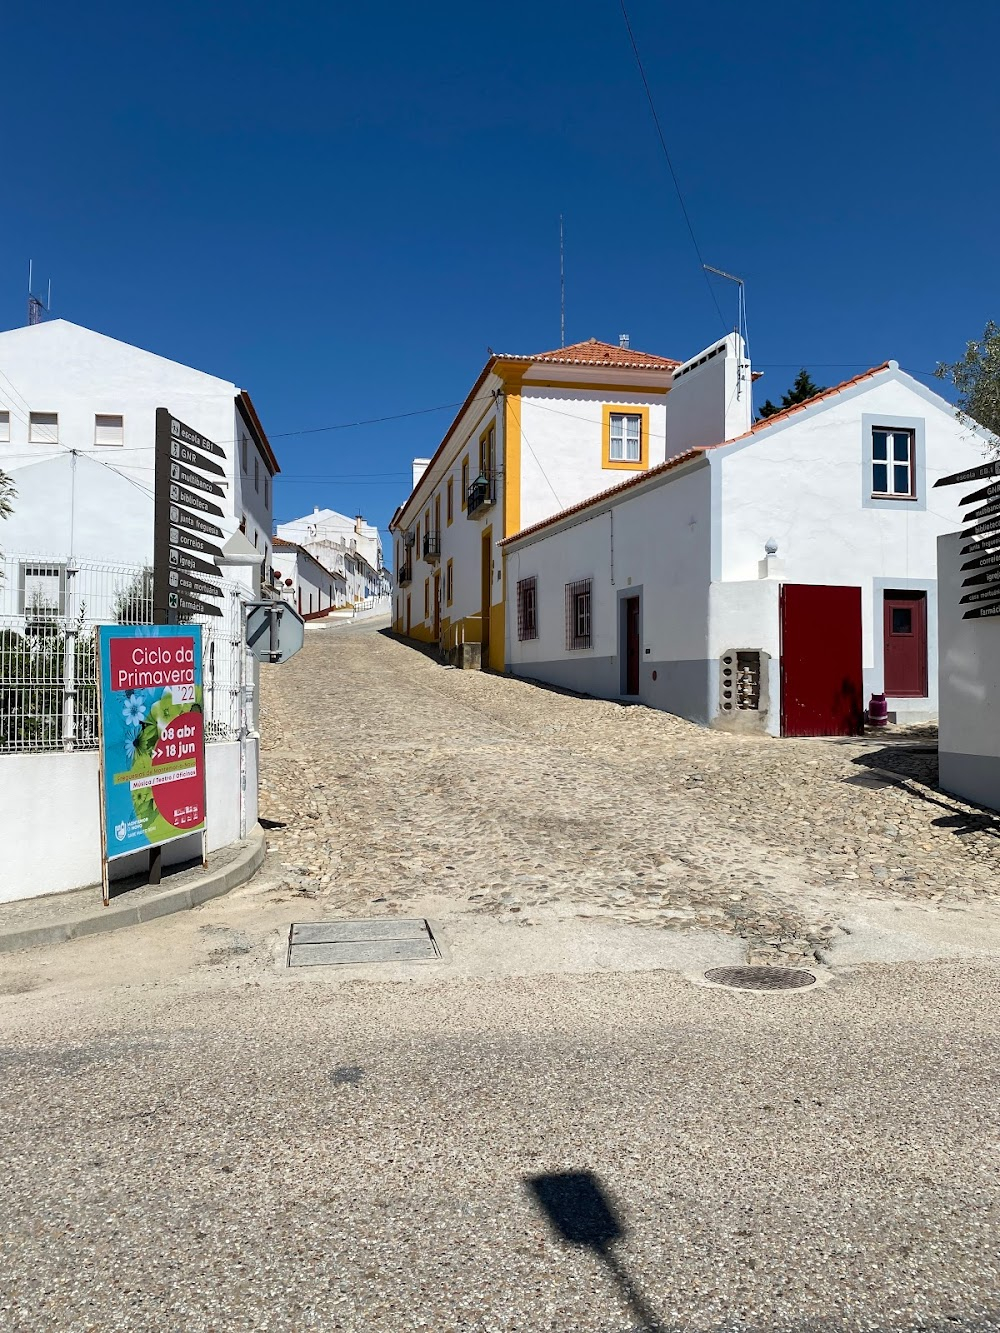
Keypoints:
pixel 371 940
pixel 761 978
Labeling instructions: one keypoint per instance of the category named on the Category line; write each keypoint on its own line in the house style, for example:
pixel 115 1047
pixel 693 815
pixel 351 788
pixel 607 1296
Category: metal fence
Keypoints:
pixel 48 661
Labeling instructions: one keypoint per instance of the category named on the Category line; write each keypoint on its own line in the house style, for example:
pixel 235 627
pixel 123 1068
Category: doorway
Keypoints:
pixel 437 607
pixel 486 589
pixel 407 614
pixel 821 678
pixel 629 645
pixel 904 627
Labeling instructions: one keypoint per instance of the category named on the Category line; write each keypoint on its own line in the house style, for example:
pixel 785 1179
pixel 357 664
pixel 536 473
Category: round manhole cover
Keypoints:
pixel 761 978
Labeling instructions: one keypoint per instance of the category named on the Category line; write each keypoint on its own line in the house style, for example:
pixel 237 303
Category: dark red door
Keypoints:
pixel 631 645
pixel 905 628
pixel 821 682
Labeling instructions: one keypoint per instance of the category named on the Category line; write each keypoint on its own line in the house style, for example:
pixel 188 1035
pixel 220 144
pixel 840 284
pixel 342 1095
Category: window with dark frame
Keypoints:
pixel 893 469
pixel 527 609
pixel 451 499
pixel 449 582
pixel 578 614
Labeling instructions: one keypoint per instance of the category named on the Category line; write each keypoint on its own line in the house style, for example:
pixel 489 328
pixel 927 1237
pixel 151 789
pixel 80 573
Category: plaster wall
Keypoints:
pixel 710 399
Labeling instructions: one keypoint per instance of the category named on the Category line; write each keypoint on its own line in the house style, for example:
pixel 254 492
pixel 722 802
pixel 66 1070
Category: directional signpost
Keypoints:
pixel 984 599
pixel 186 544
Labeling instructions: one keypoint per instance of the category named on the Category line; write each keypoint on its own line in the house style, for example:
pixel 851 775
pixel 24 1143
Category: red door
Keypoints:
pixel 821 682
pixel 905 629
pixel 631 645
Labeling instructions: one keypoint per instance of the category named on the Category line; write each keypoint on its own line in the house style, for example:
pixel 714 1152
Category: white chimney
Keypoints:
pixel 420 466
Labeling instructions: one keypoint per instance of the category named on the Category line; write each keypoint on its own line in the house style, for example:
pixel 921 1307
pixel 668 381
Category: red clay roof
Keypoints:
pixel 280 541
pixel 688 454
pixel 594 353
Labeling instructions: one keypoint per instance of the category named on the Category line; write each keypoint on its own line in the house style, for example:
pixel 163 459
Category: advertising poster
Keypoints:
pixel 152 735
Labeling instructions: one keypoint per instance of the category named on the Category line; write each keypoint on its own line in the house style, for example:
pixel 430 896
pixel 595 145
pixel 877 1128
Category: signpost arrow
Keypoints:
pixel 185 435
pixel 985 494
pixel 985 512
pixel 182 453
pixel 982 561
pixel 198 587
pixel 988 576
pixel 187 540
pixel 181 495
pixel 981 529
pixel 181 519
pixel 185 560
pixel 981 595
pixel 987 544
pixel 982 612
pixel 179 601
pixel 189 478
pixel 980 473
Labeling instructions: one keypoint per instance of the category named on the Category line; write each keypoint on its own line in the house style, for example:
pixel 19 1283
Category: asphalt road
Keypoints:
pixel 218 1145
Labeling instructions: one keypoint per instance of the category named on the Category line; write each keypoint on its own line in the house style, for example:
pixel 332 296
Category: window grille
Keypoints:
pixel 578 614
pixel 527 604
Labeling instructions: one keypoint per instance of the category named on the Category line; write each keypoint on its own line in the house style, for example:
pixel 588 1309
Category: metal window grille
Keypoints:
pixel 527 595
pixel 578 614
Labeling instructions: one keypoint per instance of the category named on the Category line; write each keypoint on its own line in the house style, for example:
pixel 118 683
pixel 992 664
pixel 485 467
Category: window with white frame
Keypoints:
pixel 109 429
pixel 625 437
pixel 578 614
pixel 43 428
pixel 4 427
pixel 42 590
pixel 893 470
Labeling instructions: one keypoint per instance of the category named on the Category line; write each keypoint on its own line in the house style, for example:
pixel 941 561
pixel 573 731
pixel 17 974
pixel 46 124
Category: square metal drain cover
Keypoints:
pixel 368 940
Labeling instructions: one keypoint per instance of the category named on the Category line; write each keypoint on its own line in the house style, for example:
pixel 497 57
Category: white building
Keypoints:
pixel 328 527
pixel 769 578
pixel 77 429
pixel 305 583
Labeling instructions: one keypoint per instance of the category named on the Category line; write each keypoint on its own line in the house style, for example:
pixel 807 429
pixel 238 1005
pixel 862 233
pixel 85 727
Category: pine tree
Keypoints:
pixel 801 391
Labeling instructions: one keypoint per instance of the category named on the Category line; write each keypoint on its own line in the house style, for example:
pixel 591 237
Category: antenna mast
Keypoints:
pixel 741 319
pixel 36 306
pixel 562 287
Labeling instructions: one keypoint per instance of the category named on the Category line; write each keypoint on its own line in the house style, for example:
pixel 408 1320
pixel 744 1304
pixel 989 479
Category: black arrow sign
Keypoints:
pixel 971 474
pixel 985 512
pixel 987 544
pixel 183 453
pixel 186 561
pixel 182 519
pixel 189 478
pixel 187 540
pixel 185 583
pixel 181 495
pixel 981 612
pixel 988 576
pixel 178 601
pixel 981 529
pixel 982 561
pixel 985 494
pixel 185 435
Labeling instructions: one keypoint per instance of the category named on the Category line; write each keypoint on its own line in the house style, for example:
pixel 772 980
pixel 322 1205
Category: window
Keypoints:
pixel 267 492
pixel 527 625
pixel 437 515
pixel 487 452
pixel 109 429
pixel 449 582
pixel 256 471
pixel 418 540
pixel 450 507
pixel 892 463
pixel 626 437
pixel 243 452
pixel 5 429
pixel 465 478
pixel 43 428
pixel 42 590
pixel 578 614
pixel 427 598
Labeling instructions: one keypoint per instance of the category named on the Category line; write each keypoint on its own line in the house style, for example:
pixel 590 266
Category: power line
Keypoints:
pixel 673 173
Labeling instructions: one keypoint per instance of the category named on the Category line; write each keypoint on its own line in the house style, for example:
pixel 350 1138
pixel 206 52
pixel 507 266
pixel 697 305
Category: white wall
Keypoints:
pixel 313 587
pixel 326 526
pixel 969 721
pixel 53 802
pixel 711 397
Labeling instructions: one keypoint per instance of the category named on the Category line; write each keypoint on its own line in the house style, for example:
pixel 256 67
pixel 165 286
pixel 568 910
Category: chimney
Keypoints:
pixel 623 341
pixel 358 523
pixel 315 509
pixel 420 466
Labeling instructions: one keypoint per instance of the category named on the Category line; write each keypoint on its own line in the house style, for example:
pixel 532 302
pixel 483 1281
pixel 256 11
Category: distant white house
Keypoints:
pixel 349 548
pixel 77 428
pixel 768 579
pixel 303 582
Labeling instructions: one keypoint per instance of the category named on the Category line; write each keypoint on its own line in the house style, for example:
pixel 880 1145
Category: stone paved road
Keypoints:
pixel 395 778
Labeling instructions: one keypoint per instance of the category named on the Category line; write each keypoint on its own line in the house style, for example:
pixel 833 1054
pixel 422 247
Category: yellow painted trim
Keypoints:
pixel 511 372
pixel 449 583
pixel 620 465
pixel 464 479
pixel 450 505
pixel 512 462
pixel 594 386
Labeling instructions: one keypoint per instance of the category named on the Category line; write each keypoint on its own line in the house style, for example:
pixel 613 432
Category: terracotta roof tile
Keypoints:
pixel 594 353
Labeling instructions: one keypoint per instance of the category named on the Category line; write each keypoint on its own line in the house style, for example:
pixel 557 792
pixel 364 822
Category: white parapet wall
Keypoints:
pixel 969 685
pixel 51 833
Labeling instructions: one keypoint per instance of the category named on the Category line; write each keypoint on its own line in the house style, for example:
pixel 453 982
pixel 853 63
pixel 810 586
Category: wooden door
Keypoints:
pixel 437 606
pixel 631 645
pixel 486 573
pixel 905 636
pixel 407 613
pixel 821 679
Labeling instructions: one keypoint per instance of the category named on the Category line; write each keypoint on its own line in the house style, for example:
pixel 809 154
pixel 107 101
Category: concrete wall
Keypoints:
pixel 53 803
pixel 969 721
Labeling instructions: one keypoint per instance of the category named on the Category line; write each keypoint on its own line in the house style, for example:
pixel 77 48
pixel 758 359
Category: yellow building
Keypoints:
pixel 535 436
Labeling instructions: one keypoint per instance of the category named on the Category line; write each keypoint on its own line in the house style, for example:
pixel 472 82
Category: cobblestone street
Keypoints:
pixel 389 777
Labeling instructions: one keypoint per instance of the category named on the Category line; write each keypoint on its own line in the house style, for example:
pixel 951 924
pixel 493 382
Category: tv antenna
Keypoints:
pixel 741 319
pixel 562 287
pixel 36 306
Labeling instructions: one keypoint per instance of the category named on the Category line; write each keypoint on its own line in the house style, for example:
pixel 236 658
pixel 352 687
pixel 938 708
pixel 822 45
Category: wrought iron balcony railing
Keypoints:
pixel 481 494
pixel 404 574
pixel 432 546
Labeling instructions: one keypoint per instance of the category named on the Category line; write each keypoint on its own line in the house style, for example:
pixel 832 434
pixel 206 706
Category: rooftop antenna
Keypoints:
pixel 562 287
pixel 36 306
pixel 741 319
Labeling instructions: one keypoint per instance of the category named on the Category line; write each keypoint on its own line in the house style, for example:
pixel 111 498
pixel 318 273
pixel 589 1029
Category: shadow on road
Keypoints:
pixel 914 770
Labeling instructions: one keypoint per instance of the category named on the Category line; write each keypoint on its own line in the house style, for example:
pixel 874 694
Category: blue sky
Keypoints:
pixel 342 207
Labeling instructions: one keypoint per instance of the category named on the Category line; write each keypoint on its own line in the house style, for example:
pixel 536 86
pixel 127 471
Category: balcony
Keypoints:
pixel 432 546
pixel 481 494
pixel 404 574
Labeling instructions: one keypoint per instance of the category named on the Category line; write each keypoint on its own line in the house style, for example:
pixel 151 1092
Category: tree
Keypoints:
pixel 7 494
pixel 977 379
pixel 801 391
